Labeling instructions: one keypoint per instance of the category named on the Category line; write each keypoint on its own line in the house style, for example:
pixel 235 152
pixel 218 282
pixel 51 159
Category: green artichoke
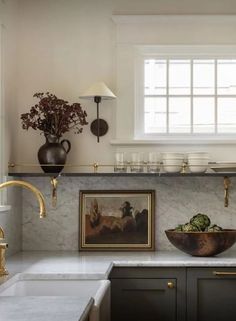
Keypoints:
pixel 198 223
pixel 214 228
pixel 179 228
pixel 202 221
pixel 188 227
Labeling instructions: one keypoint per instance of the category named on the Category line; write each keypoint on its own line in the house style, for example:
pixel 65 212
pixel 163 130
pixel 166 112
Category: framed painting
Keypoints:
pixel 116 220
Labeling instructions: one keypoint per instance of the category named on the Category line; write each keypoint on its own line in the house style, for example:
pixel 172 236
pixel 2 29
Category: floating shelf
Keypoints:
pixel 112 174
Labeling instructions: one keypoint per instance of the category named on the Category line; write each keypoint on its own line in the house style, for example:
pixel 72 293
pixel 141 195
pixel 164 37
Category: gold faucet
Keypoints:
pixel 29 186
pixel 3 246
pixel 42 214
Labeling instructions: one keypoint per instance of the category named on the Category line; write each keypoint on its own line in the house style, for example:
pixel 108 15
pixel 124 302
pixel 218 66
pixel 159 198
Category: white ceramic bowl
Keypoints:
pixel 197 168
pixel 172 165
pixel 198 165
pixel 172 155
pixel 198 159
pixel 198 154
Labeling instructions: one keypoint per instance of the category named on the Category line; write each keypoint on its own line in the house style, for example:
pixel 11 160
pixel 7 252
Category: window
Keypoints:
pixel 186 95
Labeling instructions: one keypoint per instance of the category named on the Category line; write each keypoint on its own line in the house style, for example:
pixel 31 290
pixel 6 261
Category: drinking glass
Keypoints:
pixel 136 165
pixel 120 163
pixel 153 165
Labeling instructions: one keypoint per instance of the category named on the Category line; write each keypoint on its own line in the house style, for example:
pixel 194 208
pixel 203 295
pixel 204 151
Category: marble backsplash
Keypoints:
pixel 11 221
pixel 177 199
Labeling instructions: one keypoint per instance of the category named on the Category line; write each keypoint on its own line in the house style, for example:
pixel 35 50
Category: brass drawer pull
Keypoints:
pixel 170 285
pixel 224 273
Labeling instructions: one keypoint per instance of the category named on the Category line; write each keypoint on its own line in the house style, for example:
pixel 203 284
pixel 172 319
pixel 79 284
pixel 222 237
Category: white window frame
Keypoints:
pixel 172 52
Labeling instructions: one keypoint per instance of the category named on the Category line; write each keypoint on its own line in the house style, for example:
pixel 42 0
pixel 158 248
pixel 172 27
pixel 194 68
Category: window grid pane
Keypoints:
pixel 201 82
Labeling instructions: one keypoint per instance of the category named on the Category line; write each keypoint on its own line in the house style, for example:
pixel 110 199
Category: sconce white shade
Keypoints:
pixel 99 89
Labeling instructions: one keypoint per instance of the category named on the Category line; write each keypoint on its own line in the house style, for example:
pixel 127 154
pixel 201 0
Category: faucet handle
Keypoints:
pixel 3 246
pixel 3 270
pixel 2 234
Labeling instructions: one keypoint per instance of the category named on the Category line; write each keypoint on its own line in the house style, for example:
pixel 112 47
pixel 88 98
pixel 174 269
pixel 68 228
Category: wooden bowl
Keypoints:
pixel 202 243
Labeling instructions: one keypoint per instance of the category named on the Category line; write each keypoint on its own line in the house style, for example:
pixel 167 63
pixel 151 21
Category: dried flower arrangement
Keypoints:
pixel 54 116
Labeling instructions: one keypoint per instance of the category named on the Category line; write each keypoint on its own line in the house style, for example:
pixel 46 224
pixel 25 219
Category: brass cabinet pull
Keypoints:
pixel 224 273
pixel 170 285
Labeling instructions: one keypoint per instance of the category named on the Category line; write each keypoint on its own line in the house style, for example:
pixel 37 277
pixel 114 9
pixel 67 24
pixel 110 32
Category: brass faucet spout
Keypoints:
pixel 42 213
pixel 33 189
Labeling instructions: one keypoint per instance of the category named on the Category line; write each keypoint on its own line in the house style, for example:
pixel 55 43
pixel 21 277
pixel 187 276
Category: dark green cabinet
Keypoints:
pixel 148 294
pixel 173 294
pixel 211 294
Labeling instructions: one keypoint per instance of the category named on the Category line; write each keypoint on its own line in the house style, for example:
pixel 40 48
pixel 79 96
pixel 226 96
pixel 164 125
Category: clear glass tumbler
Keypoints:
pixel 120 163
pixel 136 164
pixel 153 164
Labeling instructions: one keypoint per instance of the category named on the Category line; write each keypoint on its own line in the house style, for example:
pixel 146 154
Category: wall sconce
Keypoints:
pixel 98 92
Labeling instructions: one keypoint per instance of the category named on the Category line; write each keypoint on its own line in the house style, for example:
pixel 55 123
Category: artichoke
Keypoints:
pixel 198 223
pixel 202 221
pixel 179 228
pixel 188 227
pixel 214 228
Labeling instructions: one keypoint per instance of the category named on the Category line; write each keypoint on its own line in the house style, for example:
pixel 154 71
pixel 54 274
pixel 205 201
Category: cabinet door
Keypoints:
pixel 211 294
pixel 143 300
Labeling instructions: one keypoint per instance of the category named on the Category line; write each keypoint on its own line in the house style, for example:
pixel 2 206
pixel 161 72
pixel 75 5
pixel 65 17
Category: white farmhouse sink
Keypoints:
pixel 99 290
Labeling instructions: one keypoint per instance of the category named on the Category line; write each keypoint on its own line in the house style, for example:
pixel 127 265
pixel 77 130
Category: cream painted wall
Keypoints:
pixel 64 46
pixel 9 23
pixel 10 220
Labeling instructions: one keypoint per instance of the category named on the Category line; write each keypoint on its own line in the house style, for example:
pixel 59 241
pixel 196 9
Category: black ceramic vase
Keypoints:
pixel 53 152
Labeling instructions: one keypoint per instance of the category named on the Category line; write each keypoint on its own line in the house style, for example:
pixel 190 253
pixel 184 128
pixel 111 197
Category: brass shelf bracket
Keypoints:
pixel 95 167
pixel 227 184
pixel 54 183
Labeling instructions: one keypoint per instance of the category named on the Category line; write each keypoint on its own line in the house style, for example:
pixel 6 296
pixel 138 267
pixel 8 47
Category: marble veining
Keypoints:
pixel 177 200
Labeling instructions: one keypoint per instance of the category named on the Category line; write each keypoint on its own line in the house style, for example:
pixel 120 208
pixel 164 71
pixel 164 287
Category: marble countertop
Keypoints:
pixel 75 265
pixel 98 265
pixel 44 308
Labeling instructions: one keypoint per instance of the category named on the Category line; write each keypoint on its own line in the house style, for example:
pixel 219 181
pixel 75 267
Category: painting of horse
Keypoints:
pixel 116 220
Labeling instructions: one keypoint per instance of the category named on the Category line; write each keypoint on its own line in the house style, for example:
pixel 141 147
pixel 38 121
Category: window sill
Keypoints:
pixel 5 208
pixel 172 140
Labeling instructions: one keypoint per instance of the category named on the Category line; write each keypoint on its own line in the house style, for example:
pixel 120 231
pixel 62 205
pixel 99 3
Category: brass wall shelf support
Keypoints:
pixel 54 183
pixel 227 184
pixel 95 167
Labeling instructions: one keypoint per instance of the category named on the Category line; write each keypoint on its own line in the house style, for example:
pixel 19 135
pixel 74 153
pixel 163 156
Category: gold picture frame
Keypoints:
pixel 120 220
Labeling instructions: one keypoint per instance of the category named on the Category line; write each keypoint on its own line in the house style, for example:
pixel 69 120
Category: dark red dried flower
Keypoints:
pixel 54 116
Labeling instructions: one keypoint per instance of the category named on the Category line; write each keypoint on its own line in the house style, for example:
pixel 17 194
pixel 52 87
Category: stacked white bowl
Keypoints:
pixel 198 162
pixel 172 162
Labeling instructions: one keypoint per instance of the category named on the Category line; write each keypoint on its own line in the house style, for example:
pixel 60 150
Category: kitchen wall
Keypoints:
pixel 11 219
pixel 66 45
pixel 177 200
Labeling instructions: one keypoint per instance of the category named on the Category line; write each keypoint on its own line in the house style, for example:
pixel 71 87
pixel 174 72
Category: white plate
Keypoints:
pixel 223 167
